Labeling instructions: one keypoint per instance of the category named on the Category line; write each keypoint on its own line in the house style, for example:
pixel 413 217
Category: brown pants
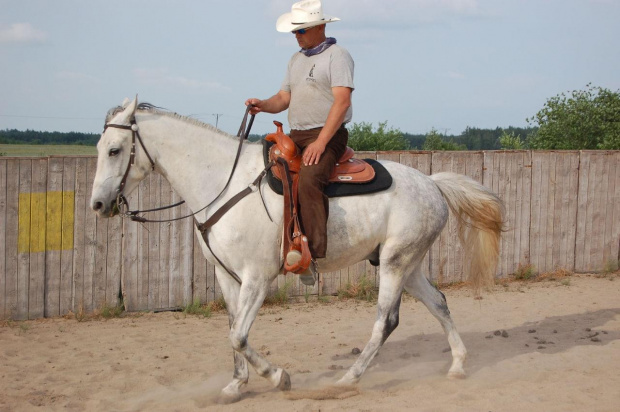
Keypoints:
pixel 313 204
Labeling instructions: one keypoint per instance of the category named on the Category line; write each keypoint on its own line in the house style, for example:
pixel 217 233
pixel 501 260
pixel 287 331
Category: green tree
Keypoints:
pixel 363 137
pixel 435 141
pixel 13 136
pixel 510 141
pixel 584 119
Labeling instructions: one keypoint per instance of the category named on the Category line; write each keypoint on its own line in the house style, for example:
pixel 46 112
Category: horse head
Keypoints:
pixel 120 168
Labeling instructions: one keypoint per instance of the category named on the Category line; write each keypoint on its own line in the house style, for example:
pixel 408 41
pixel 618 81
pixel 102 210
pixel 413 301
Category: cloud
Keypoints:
pixel 455 75
pixel 21 33
pixel 162 76
pixel 394 12
pixel 77 77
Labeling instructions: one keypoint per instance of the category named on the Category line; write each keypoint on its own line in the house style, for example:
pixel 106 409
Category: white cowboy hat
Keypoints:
pixel 304 14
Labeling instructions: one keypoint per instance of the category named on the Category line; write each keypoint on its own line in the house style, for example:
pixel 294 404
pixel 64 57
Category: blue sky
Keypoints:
pixel 419 64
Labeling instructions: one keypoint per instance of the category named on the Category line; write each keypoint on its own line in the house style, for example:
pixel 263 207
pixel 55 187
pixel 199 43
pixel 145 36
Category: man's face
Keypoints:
pixel 311 38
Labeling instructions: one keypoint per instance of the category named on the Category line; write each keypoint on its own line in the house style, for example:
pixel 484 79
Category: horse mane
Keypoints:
pixel 148 107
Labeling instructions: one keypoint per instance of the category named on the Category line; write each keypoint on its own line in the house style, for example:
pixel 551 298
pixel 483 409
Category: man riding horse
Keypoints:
pixel 317 91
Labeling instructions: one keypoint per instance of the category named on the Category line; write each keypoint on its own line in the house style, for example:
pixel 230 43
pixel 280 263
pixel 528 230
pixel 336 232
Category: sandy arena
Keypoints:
pixel 545 346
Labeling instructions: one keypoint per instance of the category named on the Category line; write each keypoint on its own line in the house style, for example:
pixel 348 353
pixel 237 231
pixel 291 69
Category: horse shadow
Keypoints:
pixel 429 354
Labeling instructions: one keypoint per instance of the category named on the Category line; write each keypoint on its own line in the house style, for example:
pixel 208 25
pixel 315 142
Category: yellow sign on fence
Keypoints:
pixel 46 221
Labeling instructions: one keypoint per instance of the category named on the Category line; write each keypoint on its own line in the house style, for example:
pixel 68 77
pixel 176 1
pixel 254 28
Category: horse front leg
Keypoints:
pixel 230 291
pixel 253 292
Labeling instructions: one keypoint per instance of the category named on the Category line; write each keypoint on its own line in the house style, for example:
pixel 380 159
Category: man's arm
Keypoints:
pixel 337 113
pixel 275 104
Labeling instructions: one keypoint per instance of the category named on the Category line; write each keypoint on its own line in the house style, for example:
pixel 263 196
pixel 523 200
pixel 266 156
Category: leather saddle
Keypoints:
pixel 286 159
pixel 348 169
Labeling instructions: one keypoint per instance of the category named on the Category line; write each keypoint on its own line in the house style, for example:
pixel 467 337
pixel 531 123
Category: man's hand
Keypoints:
pixel 312 153
pixel 255 103
pixel 275 104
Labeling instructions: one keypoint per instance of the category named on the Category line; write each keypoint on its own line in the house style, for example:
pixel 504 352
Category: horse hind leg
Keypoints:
pixel 420 288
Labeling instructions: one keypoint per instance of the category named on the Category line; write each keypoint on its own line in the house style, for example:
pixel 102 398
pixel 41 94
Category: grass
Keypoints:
pixel 558 274
pixel 40 150
pixel 21 326
pixel 280 298
pixel 218 304
pixel 196 308
pixel 611 266
pixel 205 309
pixel 323 299
pixel 363 289
pixel 528 273
pixel 524 272
pixel 110 312
pixel 104 312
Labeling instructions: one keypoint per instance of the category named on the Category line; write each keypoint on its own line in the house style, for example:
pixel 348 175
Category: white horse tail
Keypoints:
pixel 480 215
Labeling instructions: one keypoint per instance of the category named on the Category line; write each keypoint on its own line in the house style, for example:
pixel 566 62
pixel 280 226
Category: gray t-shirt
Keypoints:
pixel 310 81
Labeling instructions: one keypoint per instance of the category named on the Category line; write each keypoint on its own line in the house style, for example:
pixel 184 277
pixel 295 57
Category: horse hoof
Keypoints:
pixel 229 395
pixel 228 398
pixel 456 375
pixel 347 380
pixel 285 381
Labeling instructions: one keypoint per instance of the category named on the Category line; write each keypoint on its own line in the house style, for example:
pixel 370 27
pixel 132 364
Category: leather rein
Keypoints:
pixel 123 204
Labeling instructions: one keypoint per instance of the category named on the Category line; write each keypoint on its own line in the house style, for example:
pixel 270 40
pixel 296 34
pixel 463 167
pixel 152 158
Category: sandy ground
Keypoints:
pixel 560 352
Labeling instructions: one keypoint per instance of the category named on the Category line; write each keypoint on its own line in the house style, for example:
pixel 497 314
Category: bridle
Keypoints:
pixel 123 204
pixel 121 200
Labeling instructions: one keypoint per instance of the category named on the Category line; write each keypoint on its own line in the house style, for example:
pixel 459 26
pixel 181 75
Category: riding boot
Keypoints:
pixel 307 277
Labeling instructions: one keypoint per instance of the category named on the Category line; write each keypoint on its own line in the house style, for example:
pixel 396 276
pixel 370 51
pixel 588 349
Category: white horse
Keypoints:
pixel 395 227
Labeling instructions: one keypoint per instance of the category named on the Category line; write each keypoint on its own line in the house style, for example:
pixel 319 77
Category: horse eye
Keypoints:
pixel 114 152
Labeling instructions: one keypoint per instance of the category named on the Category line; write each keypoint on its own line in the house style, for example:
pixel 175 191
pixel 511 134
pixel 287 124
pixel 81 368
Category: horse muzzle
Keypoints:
pixel 105 209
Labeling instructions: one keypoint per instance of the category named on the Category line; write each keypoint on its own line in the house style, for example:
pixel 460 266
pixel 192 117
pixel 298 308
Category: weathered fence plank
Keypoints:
pixel 3 249
pixel 38 204
pixel 23 269
pixel 508 174
pixel 567 174
pixel 12 238
pixel 613 233
pixel 53 241
pixel 67 239
pixel 596 246
pixel 79 235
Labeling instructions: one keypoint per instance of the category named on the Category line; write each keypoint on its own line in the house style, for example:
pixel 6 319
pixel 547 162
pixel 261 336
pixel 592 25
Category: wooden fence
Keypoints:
pixel 562 209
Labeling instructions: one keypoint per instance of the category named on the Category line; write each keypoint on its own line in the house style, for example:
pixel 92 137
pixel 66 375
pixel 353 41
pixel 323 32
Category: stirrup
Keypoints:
pixel 308 277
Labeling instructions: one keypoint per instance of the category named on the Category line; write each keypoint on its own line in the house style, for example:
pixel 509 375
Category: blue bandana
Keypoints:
pixel 320 48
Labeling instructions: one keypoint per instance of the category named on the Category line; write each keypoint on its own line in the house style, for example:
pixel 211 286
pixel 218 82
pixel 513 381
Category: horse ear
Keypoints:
pixel 126 102
pixel 133 106
pixel 129 110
